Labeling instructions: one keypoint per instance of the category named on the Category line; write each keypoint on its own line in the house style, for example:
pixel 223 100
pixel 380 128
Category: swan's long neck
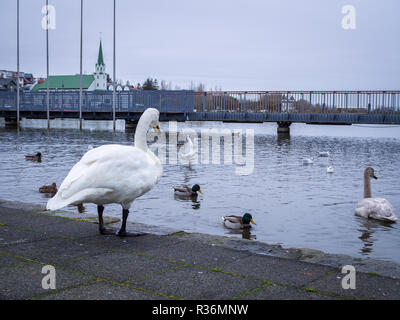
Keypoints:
pixel 367 186
pixel 141 133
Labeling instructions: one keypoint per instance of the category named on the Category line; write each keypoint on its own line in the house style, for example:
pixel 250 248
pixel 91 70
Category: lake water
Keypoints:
pixel 293 205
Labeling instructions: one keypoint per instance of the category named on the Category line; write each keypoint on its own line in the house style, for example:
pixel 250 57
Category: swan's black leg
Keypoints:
pixel 103 230
pixel 122 232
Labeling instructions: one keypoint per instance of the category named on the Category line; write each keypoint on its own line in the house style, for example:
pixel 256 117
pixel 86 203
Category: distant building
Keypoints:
pixel 90 82
pixel 26 80
pixel 8 84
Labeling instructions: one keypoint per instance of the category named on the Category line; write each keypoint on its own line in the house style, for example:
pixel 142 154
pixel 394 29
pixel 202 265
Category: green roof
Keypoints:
pixel 100 60
pixel 66 82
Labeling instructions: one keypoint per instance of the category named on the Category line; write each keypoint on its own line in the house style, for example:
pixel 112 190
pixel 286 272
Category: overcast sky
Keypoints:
pixel 232 44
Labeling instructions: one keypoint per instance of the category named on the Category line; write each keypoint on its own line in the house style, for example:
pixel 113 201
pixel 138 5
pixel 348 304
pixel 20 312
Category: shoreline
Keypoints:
pixel 364 265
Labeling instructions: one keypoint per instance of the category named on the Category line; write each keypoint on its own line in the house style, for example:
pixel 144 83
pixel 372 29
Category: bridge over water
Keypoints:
pixel 283 107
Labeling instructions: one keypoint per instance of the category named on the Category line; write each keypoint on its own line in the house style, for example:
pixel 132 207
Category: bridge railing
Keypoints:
pixel 102 101
pixel 271 102
pixel 315 102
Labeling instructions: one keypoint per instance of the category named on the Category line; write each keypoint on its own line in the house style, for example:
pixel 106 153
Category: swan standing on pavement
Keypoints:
pixel 375 208
pixel 113 174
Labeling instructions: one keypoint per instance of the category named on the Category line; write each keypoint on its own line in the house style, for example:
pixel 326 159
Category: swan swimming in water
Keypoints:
pixel 308 161
pixel 113 174
pixel 375 208
pixel 189 151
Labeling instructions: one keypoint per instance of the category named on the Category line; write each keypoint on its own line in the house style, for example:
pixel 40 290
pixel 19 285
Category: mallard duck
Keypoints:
pixel 52 189
pixel 186 191
pixel 113 174
pixel 374 208
pixel 34 157
pixel 237 222
pixel 323 154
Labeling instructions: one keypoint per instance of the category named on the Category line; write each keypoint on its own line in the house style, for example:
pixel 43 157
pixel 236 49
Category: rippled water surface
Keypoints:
pixel 293 204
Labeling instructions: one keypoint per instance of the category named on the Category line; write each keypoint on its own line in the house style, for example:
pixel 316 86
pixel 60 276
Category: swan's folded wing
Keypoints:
pixel 104 167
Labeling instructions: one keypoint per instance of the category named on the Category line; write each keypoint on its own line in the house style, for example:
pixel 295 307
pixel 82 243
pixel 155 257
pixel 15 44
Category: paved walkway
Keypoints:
pixel 173 265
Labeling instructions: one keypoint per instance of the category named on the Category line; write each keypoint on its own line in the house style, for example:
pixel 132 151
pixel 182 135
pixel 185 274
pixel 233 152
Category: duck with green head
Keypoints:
pixel 237 222
pixel 187 191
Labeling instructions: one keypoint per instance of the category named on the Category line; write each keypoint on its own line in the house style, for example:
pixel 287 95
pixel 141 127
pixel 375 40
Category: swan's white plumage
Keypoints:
pixel 189 150
pixel 375 208
pixel 111 174
pixel 308 161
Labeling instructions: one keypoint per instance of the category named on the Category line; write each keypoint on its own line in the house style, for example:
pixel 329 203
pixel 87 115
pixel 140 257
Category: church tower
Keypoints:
pixel 100 76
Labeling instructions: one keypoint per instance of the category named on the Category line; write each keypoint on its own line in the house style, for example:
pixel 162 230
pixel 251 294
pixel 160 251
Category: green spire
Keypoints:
pixel 100 60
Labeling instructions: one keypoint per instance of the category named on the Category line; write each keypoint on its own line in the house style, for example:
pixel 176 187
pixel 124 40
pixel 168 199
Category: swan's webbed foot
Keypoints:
pixel 107 231
pixel 122 232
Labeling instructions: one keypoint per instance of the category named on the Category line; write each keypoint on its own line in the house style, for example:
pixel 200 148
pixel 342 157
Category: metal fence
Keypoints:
pixel 271 102
pixel 315 102
pixel 133 101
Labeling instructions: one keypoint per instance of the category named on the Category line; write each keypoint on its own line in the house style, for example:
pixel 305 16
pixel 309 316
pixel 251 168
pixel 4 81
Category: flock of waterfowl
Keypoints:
pixel 119 174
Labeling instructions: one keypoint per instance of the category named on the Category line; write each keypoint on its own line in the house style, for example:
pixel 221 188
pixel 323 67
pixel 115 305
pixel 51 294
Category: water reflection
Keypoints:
pixel 367 229
pixel 245 233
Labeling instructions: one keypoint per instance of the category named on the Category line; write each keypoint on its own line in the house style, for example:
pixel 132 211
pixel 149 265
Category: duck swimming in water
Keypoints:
pixel 52 189
pixel 186 191
pixel 237 222
pixel 34 157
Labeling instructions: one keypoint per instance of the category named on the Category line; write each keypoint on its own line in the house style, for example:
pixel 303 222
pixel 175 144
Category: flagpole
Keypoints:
pixel 47 64
pixel 80 78
pixel 114 80
pixel 18 124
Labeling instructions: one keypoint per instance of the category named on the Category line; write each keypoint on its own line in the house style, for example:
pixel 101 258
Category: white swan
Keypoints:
pixel 308 161
pixel 375 208
pixel 329 169
pixel 113 174
pixel 189 151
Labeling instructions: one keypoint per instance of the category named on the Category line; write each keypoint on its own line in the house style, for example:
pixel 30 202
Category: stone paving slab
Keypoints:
pixel 142 244
pixel 279 270
pixel 12 235
pixel 276 292
pixel 7 260
pixel 53 251
pixel 196 283
pixel 367 286
pixel 25 281
pixel 103 291
pixel 194 253
pixel 119 266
